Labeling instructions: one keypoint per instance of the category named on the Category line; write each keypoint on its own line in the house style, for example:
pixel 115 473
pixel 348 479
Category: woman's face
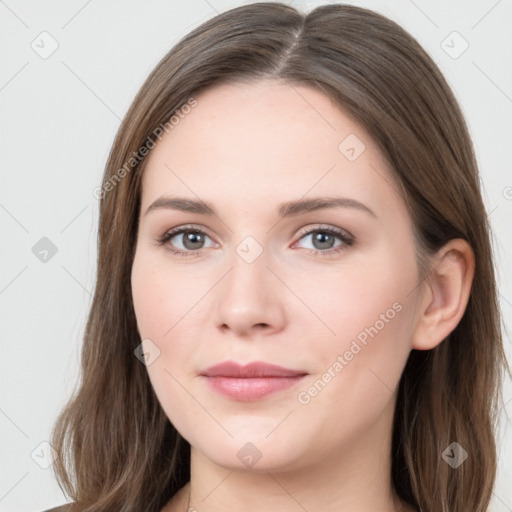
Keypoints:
pixel 326 292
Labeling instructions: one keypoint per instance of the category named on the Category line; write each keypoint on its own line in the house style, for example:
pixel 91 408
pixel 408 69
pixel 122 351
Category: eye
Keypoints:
pixel 324 238
pixel 190 238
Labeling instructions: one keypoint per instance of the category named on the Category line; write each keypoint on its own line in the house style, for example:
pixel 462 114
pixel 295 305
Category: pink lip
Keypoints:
pixel 250 382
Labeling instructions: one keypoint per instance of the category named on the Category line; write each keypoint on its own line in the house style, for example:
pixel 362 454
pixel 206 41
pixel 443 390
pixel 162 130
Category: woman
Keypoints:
pixel 295 305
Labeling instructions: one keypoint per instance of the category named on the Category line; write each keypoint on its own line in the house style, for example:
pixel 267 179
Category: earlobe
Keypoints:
pixel 449 287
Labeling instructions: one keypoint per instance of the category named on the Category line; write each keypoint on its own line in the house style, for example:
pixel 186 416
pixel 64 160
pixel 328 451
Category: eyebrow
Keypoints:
pixel 288 209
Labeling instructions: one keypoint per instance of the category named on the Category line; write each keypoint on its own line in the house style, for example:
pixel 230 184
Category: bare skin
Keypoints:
pixel 325 443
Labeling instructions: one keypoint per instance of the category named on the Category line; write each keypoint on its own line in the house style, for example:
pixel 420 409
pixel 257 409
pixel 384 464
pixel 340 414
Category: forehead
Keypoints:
pixel 267 139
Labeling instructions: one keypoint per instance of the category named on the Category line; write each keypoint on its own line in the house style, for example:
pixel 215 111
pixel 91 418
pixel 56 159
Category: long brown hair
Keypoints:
pixel 117 451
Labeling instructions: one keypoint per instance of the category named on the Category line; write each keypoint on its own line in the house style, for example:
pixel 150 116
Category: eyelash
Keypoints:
pixel 344 236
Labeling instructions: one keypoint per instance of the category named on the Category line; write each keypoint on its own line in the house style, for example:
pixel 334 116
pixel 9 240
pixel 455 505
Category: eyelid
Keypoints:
pixel 325 227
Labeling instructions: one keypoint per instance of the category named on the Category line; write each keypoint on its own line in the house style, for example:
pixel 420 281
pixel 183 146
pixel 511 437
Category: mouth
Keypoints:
pixel 250 382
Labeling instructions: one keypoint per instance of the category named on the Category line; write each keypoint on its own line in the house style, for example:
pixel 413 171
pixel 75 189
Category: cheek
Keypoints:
pixel 161 296
pixel 359 299
pixel 368 309
pixel 161 300
pixel 170 307
pixel 359 366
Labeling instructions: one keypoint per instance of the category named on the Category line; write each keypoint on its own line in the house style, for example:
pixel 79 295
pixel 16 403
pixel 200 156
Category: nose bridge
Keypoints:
pixel 249 266
pixel 249 296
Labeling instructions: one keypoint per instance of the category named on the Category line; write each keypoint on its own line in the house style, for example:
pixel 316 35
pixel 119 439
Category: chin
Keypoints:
pixel 252 458
pixel 250 449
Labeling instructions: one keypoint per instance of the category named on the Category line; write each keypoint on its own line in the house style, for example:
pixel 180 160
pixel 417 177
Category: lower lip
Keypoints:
pixel 251 389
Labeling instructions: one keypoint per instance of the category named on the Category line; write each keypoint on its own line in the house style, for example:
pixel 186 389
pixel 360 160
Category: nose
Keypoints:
pixel 250 298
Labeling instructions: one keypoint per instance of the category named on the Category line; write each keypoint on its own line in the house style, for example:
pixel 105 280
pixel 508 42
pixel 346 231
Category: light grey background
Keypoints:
pixel 59 115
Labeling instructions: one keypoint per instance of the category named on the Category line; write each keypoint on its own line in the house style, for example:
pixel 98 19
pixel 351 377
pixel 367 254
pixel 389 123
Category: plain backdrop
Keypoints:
pixel 70 70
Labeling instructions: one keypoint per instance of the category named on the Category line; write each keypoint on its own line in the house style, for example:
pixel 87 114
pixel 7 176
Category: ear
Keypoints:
pixel 446 294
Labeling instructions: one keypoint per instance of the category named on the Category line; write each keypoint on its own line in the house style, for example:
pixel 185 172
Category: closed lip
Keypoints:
pixel 256 369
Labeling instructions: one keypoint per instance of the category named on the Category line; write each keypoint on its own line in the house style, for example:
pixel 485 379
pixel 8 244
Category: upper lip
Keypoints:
pixel 254 369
